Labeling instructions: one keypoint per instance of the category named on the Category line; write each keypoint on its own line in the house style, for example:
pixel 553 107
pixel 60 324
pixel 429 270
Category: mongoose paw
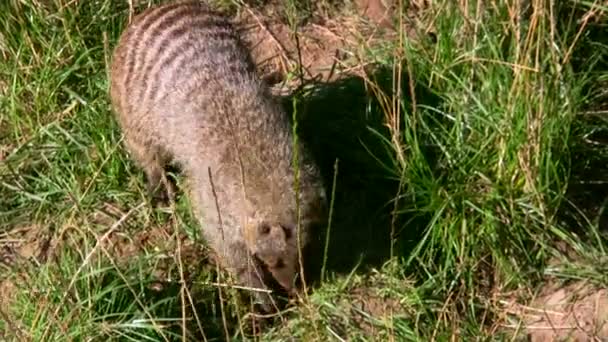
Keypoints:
pixel 163 194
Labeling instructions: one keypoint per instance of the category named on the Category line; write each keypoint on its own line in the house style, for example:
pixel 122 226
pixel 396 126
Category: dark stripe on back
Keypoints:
pixel 191 38
pixel 196 44
pixel 195 64
pixel 135 31
pixel 144 35
pixel 198 74
pixel 187 32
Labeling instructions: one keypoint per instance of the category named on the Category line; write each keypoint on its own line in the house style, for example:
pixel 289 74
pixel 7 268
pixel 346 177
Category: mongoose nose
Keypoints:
pixel 264 228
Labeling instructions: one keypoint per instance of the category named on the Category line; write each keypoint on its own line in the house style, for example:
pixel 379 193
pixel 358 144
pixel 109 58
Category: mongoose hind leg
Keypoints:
pixel 152 160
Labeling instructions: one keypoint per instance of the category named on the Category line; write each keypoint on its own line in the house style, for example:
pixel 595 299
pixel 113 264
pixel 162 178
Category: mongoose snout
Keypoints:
pixel 185 91
pixel 276 246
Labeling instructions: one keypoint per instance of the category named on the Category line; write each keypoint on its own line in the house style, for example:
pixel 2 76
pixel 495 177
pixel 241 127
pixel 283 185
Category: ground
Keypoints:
pixel 329 49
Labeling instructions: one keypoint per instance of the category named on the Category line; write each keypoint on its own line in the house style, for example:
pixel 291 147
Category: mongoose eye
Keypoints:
pixel 288 230
pixel 279 264
pixel 264 229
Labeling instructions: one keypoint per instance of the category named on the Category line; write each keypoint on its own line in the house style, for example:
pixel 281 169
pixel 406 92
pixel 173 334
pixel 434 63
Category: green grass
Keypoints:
pixel 462 164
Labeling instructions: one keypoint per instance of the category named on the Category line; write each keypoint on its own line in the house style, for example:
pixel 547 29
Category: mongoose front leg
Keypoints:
pixel 152 160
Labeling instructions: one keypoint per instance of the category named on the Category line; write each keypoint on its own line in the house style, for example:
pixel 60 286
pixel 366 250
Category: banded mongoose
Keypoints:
pixel 185 90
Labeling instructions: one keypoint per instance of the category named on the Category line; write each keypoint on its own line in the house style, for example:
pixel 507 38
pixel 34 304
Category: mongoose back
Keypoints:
pixel 185 90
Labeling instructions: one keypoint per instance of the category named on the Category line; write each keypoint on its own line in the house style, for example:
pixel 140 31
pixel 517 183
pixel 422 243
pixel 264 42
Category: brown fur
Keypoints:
pixel 185 90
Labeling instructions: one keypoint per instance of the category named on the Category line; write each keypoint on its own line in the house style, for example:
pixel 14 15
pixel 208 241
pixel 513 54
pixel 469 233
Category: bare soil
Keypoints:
pixel 574 312
pixel 20 245
pixel 327 48
pixel 366 302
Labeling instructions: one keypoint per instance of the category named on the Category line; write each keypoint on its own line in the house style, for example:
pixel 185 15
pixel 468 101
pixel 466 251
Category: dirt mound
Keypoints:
pixel 368 307
pixel 25 242
pixel 328 47
pixel 576 312
pixel 20 245
pixel 277 53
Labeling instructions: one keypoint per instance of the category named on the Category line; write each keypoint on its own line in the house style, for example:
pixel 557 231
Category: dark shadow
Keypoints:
pixel 587 194
pixel 343 121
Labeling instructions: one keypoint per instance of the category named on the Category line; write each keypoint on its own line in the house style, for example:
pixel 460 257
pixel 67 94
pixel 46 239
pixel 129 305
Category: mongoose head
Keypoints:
pixel 276 245
pixel 279 240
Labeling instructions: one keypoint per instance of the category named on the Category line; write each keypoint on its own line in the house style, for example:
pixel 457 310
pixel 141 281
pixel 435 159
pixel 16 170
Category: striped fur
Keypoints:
pixel 184 89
